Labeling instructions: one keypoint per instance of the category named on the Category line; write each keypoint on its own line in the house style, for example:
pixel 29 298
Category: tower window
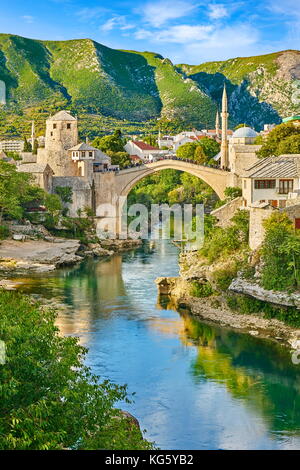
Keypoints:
pixel 51 133
pixel 68 126
pixel 54 126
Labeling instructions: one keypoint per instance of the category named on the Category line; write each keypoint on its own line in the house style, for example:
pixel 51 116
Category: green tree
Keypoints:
pixel 65 193
pixel 119 158
pixel 27 146
pixel 186 151
pixel 15 191
pixel 199 155
pixel 49 398
pixel 280 140
pixel 280 254
pixel 112 143
pixel 290 144
pixel 210 147
pixel 35 147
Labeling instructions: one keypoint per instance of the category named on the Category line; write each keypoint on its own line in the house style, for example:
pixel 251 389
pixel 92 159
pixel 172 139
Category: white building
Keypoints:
pixel 272 180
pixel 144 151
pixel 12 146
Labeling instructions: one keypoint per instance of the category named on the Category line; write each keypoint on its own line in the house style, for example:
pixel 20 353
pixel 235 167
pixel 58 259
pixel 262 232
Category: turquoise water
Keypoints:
pixel 197 386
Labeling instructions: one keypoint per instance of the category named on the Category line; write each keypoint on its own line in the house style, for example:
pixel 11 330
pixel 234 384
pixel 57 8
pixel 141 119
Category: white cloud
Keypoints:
pixel 284 7
pixel 159 13
pixel 180 34
pixel 28 19
pixel 217 11
pixel 224 43
pixel 86 14
pixel 117 21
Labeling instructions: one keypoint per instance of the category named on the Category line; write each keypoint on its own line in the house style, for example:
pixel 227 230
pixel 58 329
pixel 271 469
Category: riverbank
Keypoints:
pixel 40 256
pixel 215 309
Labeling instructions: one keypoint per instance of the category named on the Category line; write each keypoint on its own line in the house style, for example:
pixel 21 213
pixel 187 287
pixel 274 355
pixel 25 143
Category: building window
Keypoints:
pixel 68 126
pixel 264 184
pixel 90 154
pixel 83 154
pixel 54 126
pixel 286 186
pixel 51 133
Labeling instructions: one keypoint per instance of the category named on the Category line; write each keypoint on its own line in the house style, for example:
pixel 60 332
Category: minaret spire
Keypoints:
pixel 217 123
pixel 32 133
pixel 224 145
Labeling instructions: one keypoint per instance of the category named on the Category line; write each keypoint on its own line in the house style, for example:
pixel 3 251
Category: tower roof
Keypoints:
pixel 244 132
pixel 224 100
pixel 62 116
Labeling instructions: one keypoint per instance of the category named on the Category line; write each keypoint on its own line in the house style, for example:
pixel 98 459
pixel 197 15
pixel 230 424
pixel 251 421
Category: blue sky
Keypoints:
pixel 183 30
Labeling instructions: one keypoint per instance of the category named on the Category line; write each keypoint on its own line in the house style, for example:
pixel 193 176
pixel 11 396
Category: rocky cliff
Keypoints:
pixel 89 77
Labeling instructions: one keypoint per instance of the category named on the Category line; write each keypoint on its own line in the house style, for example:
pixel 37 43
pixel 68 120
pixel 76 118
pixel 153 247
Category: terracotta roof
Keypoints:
pixel 143 146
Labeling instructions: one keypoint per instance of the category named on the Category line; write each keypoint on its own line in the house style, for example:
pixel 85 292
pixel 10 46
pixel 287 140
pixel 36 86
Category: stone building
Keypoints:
pixel 65 162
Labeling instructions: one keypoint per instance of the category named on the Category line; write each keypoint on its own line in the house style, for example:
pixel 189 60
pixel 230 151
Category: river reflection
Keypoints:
pixel 197 386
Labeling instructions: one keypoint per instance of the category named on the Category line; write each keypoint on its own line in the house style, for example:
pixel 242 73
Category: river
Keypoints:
pixel 197 386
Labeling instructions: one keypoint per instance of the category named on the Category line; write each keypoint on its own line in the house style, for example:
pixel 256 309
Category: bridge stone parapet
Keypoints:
pixel 112 188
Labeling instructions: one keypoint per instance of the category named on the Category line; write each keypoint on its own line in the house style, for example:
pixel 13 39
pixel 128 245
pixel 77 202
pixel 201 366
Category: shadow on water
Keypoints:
pixel 198 385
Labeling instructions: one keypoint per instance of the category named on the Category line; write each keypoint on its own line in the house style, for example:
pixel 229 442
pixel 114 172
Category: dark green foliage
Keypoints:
pixel 16 191
pixel 65 193
pixel 170 186
pixel 27 146
pixel 201 151
pixel 248 305
pixel 49 398
pixel 282 139
pixel 223 242
pixel 4 232
pixel 232 192
pixel 224 277
pixel 201 289
pixel 112 143
pixel 280 254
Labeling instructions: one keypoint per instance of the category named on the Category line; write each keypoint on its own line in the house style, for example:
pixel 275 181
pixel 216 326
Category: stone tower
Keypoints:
pixel 61 135
pixel 224 144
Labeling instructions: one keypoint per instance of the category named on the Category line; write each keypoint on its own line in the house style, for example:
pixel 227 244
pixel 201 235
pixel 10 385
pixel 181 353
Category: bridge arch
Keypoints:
pixel 217 179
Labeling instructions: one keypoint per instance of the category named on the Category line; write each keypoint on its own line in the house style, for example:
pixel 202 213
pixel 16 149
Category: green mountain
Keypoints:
pixel 131 86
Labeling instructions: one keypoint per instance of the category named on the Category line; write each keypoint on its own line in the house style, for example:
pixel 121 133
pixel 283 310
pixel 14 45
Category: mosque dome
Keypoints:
pixel 244 132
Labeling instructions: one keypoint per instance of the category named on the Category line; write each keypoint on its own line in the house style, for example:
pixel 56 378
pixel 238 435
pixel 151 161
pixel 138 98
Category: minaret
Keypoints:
pixel 32 133
pixel 224 144
pixel 218 124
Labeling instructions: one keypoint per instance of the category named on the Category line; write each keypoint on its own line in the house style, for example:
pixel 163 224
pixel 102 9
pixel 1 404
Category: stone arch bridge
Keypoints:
pixel 111 188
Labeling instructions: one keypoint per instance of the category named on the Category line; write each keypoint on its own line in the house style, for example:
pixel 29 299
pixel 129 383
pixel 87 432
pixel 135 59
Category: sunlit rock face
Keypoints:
pixel 2 92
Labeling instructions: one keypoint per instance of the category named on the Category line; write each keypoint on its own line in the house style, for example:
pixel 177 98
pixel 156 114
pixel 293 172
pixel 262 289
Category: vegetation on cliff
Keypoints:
pixel 111 88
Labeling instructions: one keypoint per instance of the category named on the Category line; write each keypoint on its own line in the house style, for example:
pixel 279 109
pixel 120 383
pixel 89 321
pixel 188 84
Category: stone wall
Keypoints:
pixel 256 229
pixel 225 213
pixel 82 192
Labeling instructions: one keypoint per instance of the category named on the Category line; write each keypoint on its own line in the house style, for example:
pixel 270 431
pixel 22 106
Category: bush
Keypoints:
pixel 224 277
pixel 49 398
pixel 280 254
pixel 4 232
pixel 248 305
pixel 199 289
